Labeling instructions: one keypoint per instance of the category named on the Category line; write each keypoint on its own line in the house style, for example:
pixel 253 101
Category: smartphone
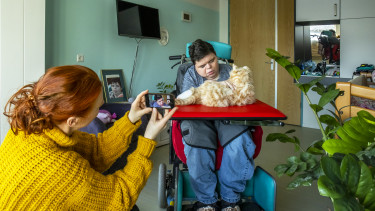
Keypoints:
pixel 160 100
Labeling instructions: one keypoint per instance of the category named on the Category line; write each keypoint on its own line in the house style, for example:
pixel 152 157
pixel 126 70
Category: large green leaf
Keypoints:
pixel 343 134
pixel 369 201
pixel 294 71
pixel 354 136
pixel 328 97
pixel 304 87
pixel 316 108
pixel 355 122
pixel 329 120
pixel 330 189
pixel 347 204
pixel 315 151
pixel 316 80
pixel 331 169
pixel 272 53
pixel 283 61
pixel 331 87
pixel 365 182
pixel 351 130
pixel 332 146
pixel 350 173
pixel 319 88
pixel 368 118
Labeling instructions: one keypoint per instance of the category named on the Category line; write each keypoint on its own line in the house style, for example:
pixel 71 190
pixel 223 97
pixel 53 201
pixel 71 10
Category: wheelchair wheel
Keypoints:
pixel 162 198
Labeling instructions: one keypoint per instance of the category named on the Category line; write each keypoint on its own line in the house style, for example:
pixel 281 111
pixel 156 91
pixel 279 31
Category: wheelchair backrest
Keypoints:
pixel 223 51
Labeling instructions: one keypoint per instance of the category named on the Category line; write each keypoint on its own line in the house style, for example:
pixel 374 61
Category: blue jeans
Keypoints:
pixel 237 166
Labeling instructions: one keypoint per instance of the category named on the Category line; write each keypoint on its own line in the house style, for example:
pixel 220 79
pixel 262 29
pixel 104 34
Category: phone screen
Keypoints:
pixel 159 100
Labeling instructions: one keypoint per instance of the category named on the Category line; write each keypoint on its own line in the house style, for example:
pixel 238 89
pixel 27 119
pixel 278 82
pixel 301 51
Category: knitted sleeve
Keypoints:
pixel 120 190
pixel 103 150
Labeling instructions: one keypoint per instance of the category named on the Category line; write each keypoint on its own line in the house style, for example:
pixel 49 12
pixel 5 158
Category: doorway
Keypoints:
pixel 252 30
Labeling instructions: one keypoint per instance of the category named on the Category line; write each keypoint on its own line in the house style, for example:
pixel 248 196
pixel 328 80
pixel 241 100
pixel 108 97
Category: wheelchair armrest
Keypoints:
pixel 264 189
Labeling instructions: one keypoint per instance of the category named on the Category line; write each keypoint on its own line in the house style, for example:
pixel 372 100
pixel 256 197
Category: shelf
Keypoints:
pixel 328 80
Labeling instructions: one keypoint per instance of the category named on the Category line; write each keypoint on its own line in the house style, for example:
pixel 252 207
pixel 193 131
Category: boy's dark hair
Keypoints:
pixel 114 80
pixel 199 49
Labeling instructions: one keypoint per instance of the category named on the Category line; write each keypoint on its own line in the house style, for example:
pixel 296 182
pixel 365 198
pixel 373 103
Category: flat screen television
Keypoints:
pixel 138 21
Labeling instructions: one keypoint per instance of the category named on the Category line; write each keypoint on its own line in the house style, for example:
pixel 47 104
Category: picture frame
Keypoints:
pixel 113 85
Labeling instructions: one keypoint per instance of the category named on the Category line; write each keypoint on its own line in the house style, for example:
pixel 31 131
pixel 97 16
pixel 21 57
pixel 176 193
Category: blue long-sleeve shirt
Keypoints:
pixel 193 79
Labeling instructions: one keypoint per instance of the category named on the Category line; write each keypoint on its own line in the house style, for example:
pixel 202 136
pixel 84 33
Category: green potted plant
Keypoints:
pixel 163 87
pixel 342 160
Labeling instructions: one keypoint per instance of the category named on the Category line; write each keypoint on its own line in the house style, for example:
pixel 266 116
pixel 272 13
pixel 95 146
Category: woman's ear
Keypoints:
pixel 72 121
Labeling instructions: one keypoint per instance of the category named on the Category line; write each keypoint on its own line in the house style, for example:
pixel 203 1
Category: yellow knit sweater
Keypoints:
pixel 53 171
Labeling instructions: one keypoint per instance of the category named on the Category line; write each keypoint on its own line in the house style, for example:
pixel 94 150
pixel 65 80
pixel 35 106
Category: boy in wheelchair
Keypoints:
pixel 200 141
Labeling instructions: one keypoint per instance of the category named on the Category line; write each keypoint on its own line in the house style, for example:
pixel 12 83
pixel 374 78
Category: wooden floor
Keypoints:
pixel 305 198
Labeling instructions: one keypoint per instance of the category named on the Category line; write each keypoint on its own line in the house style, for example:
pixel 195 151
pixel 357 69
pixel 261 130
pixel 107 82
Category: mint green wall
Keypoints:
pixel 89 27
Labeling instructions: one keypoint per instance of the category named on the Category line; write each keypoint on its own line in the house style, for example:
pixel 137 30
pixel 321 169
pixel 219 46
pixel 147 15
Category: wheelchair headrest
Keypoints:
pixel 223 50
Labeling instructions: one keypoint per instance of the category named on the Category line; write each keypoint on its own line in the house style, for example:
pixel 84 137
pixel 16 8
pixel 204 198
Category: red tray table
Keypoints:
pixel 258 113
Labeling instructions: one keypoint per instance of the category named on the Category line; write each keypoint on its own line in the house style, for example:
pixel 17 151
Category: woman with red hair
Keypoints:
pixel 47 164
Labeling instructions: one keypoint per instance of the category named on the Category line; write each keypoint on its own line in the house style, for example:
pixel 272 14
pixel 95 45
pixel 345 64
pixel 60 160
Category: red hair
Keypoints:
pixel 60 93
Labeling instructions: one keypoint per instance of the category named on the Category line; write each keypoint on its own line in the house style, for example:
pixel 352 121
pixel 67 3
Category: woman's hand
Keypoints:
pixel 157 122
pixel 138 108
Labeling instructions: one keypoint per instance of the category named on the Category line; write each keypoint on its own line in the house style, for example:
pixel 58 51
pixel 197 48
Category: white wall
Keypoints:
pixel 308 117
pixel 22 48
pixel 210 4
pixel 357 44
pixel 223 7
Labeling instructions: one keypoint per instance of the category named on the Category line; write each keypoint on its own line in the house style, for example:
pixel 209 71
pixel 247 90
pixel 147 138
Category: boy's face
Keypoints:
pixel 208 67
pixel 160 102
pixel 116 87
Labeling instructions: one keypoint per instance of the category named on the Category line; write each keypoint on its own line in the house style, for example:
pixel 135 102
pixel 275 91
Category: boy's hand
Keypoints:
pixel 157 122
pixel 138 108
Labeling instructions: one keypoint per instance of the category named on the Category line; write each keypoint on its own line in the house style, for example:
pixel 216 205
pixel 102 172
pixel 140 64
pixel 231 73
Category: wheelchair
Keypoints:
pixel 174 188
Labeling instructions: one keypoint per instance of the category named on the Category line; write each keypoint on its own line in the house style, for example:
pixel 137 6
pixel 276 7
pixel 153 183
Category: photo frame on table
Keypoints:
pixel 114 85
